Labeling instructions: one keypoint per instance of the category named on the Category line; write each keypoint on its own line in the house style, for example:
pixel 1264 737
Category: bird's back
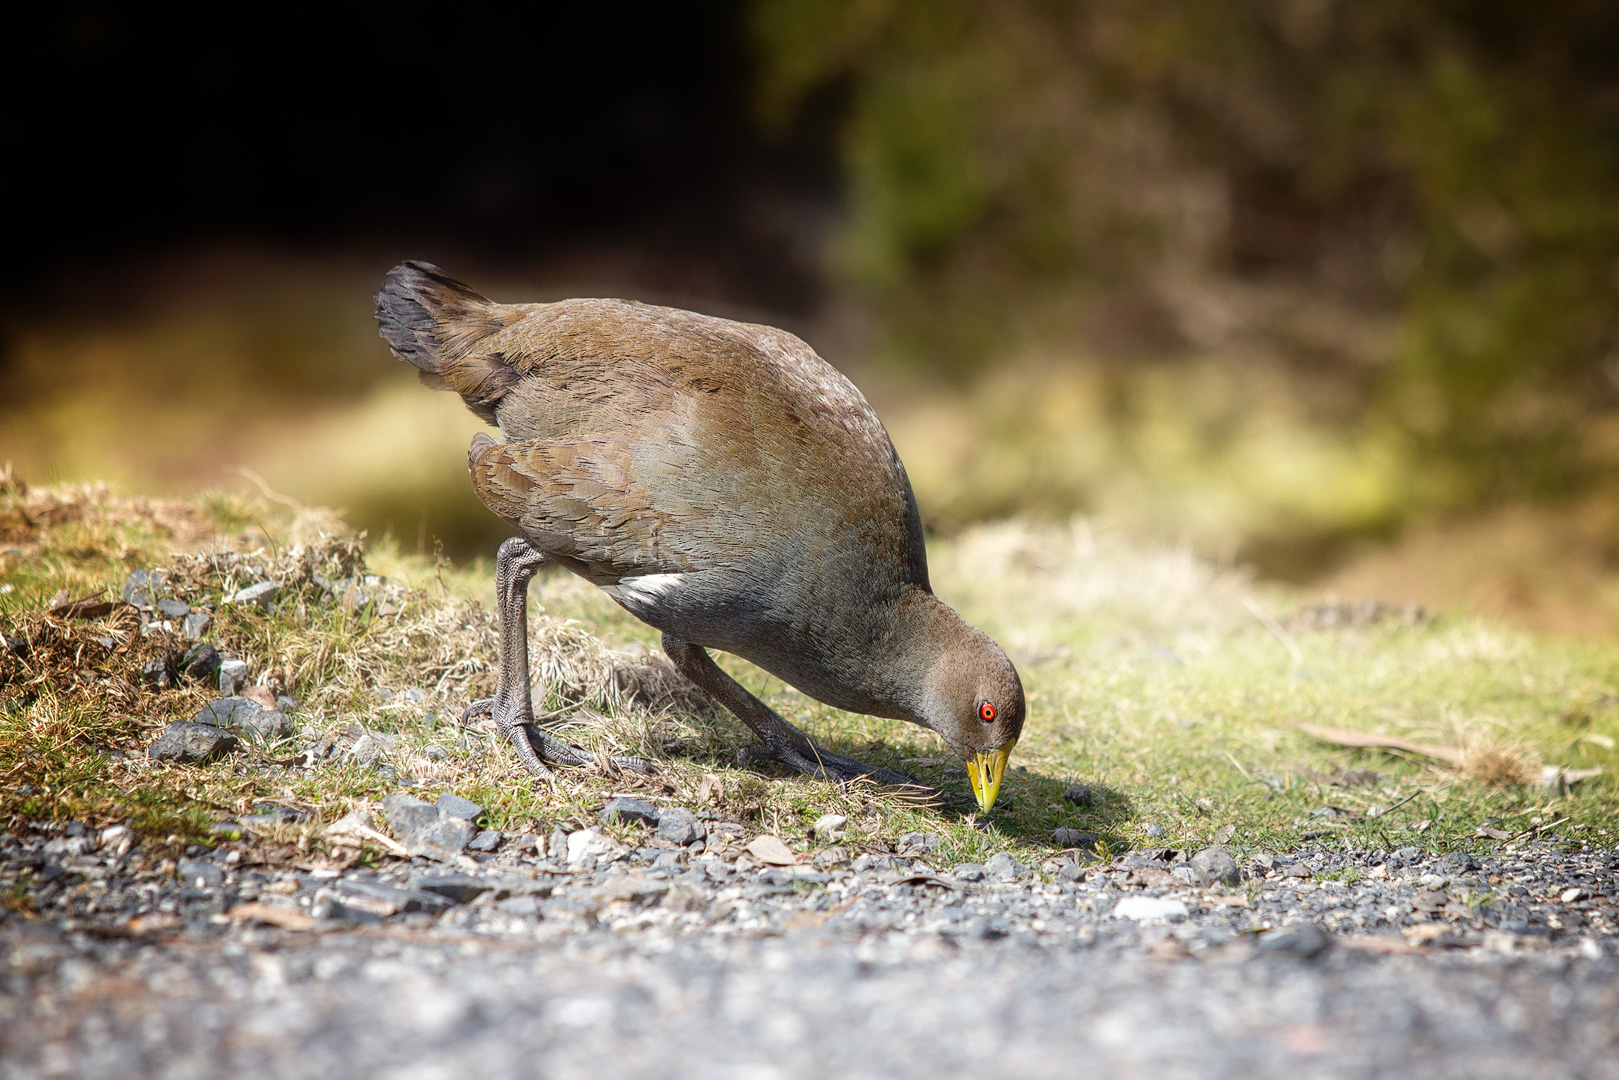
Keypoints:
pixel 719 478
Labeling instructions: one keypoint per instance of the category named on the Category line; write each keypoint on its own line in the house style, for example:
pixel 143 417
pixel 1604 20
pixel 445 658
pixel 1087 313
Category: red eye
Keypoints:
pixel 986 713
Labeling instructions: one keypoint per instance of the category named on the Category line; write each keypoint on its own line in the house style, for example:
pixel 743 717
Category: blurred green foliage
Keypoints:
pixel 1142 181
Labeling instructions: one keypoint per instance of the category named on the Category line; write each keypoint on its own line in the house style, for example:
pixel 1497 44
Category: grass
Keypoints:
pixel 1170 689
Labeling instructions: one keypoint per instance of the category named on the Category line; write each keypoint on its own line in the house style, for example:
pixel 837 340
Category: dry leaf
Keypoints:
pixel 260 694
pixel 273 914
pixel 771 851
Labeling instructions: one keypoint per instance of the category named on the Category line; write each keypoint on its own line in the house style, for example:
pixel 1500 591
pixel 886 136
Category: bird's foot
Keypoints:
pixel 538 750
pixel 824 764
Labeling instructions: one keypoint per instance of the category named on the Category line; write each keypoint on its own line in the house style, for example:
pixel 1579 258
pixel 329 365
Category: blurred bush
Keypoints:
pixel 1411 210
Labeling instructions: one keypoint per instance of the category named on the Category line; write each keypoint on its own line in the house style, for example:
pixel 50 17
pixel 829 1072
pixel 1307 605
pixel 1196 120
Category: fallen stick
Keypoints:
pixel 1361 740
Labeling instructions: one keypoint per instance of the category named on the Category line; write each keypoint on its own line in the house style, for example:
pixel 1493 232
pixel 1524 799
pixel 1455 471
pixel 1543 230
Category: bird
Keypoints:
pixel 725 485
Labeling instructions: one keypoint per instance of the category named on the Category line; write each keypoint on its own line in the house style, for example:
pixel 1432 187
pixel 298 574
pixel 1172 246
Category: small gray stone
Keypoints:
pixel 232 674
pixel 425 830
pixel 1302 940
pixel 436 753
pixel 1153 829
pixel 626 809
pixel 1067 837
pixel 456 807
pixel 193 743
pixel 522 907
pixel 1002 865
pixel 173 609
pixel 246 716
pixel 200 663
pixel 1079 795
pixel 488 840
pixel 1071 871
pixel 680 826
pixel 365 752
pixel 918 843
pixel 200 874
pixel 968 871
pixel 826 826
pixel 401 900
pixel 155 672
pixel 1214 865
pixel 260 595
pixel 141 586
pixel 1456 862
pixel 194 624
pixel 456 888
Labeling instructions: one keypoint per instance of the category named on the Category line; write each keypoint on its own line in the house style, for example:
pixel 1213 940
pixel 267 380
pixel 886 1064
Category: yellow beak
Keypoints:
pixel 984 771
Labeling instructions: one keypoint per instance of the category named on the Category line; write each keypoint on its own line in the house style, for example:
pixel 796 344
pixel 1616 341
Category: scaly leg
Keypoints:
pixel 513 705
pixel 779 741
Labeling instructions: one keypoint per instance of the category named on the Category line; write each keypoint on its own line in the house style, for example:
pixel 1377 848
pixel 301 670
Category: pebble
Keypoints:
pixel 827 826
pixel 1079 795
pixel 1214 865
pixel 1003 865
pixel 1153 829
pixel 260 595
pixel 193 626
pixel 191 743
pixel 680 826
pixel 423 829
pixel 232 674
pixel 487 840
pixel 1149 909
pixel 246 716
pixel 627 809
pixel 917 843
pixel 457 807
pixel 1303 940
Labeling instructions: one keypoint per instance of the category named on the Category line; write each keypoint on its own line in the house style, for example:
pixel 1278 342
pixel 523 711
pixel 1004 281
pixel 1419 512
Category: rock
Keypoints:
pixel 1302 940
pixel 771 851
pixel 365 752
pixel 1149 909
pixel 260 595
pixel 1079 795
pixel 191 743
pixel 590 843
pixel 1071 871
pixel 436 753
pixel 393 898
pixel 200 663
pixel 200 874
pixel 456 888
pixel 156 672
pixel 556 848
pixel 918 843
pixel 457 807
pixel 1068 838
pixel 232 674
pixel 173 609
pixel 968 871
pixel 1456 862
pixel 1153 829
pixel 1214 865
pixel 680 826
pixel 142 586
pixel 194 624
pixel 628 888
pixel 827 826
pixel 246 716
pixel 487 840
pixel 423 829
pixel 116 840
pixel 1002 865
pixel 627 809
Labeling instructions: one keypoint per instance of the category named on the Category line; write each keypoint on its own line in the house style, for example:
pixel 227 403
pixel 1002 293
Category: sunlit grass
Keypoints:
pixel 1151 681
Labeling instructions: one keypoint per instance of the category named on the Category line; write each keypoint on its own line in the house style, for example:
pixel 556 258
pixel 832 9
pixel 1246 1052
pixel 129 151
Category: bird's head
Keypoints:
pixel 974 700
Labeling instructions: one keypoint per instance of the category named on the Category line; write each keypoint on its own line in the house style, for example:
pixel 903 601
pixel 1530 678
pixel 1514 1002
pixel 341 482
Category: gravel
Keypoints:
pixel 647 960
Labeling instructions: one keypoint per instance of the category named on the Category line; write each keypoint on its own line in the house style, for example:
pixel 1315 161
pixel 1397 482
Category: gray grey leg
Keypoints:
pixel 779 741
pixel 513 705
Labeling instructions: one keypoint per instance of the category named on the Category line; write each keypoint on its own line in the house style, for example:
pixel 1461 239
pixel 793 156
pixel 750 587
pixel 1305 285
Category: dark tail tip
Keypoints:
pixel 415 302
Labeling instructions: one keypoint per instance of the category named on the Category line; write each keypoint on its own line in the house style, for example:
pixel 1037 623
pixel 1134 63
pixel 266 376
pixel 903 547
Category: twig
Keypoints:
pixel 1269 623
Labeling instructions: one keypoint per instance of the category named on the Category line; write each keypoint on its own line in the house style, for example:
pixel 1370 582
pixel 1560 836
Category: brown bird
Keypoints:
pixel 723 484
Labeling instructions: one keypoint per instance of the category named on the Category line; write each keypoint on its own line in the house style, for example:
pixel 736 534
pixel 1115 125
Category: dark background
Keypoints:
pixel 508 137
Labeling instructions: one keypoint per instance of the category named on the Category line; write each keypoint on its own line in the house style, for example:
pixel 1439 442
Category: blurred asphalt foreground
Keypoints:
pixel 1179 881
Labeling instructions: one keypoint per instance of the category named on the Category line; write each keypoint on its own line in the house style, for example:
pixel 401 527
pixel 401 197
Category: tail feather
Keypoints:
pixel 431 320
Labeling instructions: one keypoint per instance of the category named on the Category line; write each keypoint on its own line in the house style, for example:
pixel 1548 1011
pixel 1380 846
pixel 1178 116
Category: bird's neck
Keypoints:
pixel 924 630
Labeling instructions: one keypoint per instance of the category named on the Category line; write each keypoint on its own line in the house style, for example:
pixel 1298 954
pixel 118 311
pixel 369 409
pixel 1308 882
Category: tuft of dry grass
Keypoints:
pixel 1497 764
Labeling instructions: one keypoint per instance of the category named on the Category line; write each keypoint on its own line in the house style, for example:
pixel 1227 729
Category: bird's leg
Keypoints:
pixel 513 705
pixel 779 741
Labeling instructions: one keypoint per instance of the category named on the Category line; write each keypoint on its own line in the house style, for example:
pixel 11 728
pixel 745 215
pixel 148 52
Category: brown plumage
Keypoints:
pixel 725 485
